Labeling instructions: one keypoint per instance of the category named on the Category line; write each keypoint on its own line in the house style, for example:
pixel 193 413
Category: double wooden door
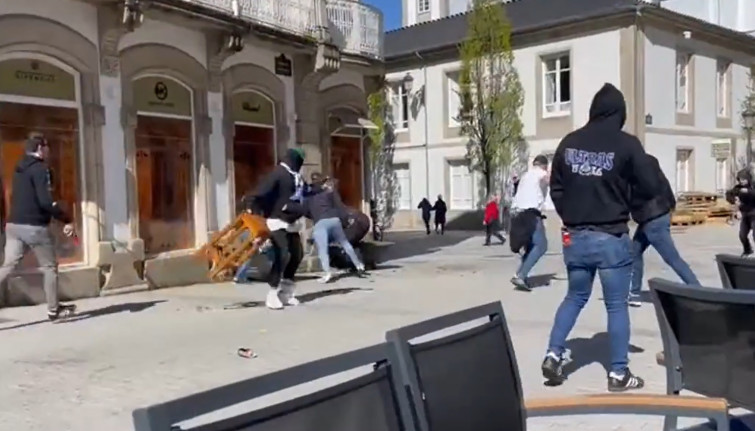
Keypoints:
pixel 164 184
pixel 253 157
pixel 60 128
pixel 346 166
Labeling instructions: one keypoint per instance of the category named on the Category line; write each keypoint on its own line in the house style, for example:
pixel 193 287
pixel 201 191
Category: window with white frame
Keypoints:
pixel 683 170
pixel 722 88
pixel 556 85
pixel 453 99
pixel 722 175
pixel 403 194
pixel 399 107
pixel 682 81
pixel 423 6
pixel 462 193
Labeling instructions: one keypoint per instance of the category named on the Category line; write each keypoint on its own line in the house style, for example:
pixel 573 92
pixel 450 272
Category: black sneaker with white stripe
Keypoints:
pixel 624 382
pixel 63 311
pixel 553 366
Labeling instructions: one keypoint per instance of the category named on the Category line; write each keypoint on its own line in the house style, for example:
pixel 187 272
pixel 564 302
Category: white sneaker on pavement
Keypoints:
pixel 287 296
pixel 273 300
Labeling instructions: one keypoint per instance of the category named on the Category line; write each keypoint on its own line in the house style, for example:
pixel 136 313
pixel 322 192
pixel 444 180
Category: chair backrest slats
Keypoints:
pixel 709 339
pixel 468 380
pixel 736 272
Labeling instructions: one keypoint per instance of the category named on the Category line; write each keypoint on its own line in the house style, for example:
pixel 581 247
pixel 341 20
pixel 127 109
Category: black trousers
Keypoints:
pixel 287 255
pixel 440 225
pixel 491 230
pixel 746 224
pixel 427 224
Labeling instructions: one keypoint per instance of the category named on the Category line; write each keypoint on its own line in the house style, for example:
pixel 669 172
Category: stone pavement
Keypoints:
pixel 138 349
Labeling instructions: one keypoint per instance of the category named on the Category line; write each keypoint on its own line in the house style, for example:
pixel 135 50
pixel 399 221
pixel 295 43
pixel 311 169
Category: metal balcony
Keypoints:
pixel 356 28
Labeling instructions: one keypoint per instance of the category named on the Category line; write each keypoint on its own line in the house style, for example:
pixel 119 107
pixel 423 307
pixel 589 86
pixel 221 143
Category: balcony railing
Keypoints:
pixel 357 28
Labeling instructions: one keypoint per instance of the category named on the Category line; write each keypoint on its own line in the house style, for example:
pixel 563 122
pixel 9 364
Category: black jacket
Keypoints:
pixel 323 203
pixel 426 207
pixel 274 193
pixel 440 209
pixel 644 210
pixel 744 192
pixel 597 166
pixel 523 225
pixel 31 199
pixel 356 226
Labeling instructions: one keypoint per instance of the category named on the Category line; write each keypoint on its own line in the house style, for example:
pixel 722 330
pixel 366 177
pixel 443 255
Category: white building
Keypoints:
pixel 684 80
pixel 159 121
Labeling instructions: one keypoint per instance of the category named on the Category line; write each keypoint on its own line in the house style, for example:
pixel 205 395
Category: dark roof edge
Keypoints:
pixel 742 41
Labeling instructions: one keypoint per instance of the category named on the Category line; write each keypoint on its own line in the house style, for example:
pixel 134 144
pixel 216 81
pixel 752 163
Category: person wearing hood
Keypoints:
pixel 597 171
pixel 743 194
pixel 31 209
pixel 440 209
pixel 654 228
pixel 279 198
pixel 425 207
pixel 325 208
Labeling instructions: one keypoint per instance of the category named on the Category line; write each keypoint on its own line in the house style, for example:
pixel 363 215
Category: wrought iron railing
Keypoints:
pixel 356 28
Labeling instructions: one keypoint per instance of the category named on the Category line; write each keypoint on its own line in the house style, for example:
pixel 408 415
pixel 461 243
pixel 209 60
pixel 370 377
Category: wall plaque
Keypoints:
pixel 161 95
pixel 283 66
pixel 252 107
pixel 35 78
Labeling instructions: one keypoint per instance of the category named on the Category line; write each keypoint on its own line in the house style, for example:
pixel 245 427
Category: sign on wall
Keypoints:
pixel 283 66
pixel 251 107
pixel 720 149
pixel 35 78
pixel 161 96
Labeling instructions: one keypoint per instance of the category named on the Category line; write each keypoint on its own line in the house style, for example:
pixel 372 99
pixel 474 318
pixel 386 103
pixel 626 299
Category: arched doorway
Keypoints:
pixel 40 94
pixel 346 155
pixel 254 152
pixel 164 159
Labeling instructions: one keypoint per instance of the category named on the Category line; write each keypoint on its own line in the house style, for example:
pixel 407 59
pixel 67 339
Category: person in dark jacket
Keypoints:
pixel 596 171
pixel 356 226
pixel 32 207
pixel 426 207
pixel 279 198
pixel 654 228
pixel 440 209
pixel 743 194
pixel 325 208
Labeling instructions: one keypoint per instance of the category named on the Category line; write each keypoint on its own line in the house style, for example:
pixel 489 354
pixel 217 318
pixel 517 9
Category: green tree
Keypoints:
pixel 491 94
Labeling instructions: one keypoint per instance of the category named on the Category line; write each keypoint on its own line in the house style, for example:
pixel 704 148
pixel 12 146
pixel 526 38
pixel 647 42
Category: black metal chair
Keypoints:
pixel 708 341
pixel 375 401
pixel 469 380
pixel 736 272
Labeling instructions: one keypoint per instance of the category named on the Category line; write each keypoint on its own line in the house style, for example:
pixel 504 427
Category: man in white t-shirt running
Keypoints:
pixel 530 197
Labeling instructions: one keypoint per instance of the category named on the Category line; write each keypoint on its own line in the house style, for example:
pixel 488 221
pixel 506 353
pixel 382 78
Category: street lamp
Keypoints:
pixel 748 119
pixel 407 83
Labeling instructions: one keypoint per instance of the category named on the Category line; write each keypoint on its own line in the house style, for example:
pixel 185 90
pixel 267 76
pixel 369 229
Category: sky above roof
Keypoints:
pixel 391 12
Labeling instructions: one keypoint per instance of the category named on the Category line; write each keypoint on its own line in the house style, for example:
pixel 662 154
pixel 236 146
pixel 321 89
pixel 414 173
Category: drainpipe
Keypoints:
pixel 427 124
pixel 639 116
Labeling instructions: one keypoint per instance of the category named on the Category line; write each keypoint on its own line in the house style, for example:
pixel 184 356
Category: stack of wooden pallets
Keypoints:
pixel 234 245
pixel 693 208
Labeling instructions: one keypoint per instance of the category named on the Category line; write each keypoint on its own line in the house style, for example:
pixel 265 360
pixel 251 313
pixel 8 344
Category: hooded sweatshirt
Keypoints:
pixel 744 192
pixel 279 196
pixel 597 166
pixel 31 200
pixel 323 203
pixel 643 210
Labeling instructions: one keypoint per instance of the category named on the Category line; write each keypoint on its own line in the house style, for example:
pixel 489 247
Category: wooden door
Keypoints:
pixel 253 157
pixel 346 168
pixel 60 128
pixel 164 184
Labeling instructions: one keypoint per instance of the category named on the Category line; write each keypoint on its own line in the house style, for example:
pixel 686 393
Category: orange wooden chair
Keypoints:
pixel 234 245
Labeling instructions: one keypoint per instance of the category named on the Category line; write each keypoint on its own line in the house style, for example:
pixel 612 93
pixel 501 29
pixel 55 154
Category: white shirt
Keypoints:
pixel 532 190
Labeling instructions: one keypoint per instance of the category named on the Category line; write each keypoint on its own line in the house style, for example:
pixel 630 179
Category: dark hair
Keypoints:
pixel 34 141
pixel 318 178
pixel 540 160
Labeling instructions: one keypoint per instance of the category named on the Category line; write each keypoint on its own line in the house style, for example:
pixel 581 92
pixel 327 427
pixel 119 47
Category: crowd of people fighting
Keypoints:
pixel 600 178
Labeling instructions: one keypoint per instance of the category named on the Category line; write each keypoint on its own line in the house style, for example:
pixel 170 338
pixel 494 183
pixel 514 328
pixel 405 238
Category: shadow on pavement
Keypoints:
pixel 540 280
pixel 131 307
pixel 418 243
pixel 303 298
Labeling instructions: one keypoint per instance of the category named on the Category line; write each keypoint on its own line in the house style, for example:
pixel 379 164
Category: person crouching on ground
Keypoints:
pixel 327 211
pixel 527 228
pixel 31 209
pixel 744 194
pixel 491 221
pixel 426 207
pixel 654 228
pixel 278 198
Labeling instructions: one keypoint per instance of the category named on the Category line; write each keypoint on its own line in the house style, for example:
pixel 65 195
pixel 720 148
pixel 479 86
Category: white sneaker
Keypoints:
pixel 327 278
pixel 287 296
pixel 273 300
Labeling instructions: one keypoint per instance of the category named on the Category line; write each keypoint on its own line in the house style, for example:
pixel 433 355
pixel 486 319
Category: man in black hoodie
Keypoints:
pixel 654 220
pixel 594 170
pixel 279 198
pixel 743 194
pixel 31 209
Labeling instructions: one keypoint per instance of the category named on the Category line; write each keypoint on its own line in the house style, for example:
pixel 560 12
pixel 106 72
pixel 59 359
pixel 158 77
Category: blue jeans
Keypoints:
pixel 323 232
pixel 657 232
pixel 241 271
pixel 535 251
pixel 611 257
